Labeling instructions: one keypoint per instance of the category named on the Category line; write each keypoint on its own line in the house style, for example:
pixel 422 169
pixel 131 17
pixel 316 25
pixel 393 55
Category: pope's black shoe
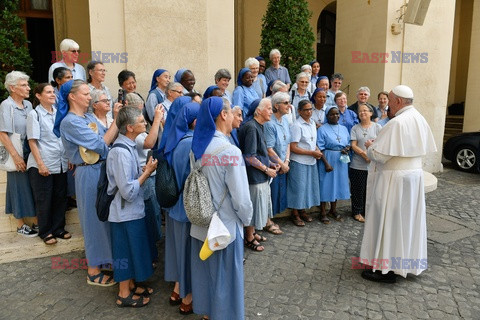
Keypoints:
pixel 390 277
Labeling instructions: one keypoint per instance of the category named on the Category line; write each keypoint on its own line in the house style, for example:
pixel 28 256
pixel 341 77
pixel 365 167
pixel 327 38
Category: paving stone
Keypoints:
pixel 306 273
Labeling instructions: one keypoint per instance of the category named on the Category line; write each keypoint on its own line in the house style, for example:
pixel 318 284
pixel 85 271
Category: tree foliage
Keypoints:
pixel 285 26
pixel 14 53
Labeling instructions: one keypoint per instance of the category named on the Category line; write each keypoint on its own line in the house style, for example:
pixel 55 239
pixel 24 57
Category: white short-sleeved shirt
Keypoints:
pixel 305 133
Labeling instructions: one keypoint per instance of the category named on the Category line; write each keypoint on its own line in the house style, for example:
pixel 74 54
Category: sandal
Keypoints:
pixel 297 221
pixel 186 309
pixel 335 216
pixel 64 235
pixel 175 299
pixel 48 240
pixel 99 276
pixel 305 216
pixel 260 238
pixel 146 291
pixel 324 219
pixel 273 229
pixel 253 246
pixel 130 302
pixel 359 218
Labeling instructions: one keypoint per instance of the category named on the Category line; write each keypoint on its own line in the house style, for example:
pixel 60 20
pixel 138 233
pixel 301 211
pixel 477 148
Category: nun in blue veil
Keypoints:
pixel 157 92
pixel 244 94
pixel 177 104
pixel 177 226
pixel 80 131
pixel 217 284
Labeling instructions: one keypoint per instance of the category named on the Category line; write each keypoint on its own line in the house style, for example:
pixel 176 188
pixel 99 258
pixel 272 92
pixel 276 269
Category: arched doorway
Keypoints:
pixel 326 26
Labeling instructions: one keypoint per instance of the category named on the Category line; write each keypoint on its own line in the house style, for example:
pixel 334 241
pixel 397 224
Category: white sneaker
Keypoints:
pixel 26 231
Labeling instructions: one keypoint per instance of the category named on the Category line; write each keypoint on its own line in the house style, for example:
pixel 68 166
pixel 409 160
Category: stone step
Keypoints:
pixel 454 125
pixel 453 130
pixel 9 224
pixel 15 247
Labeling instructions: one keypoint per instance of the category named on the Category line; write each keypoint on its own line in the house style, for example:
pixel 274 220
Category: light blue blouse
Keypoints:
pixel 123 171
pixel 243 97
pixel 237 209
pixel 19 117
pixel 277 135
pixel 78 72
pixel 152 102
pixel 75 132
pixel 40 127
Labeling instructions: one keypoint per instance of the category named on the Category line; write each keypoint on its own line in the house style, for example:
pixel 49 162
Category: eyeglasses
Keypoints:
pixel 307 110
pixel 285 102
pixel 74 51
pixel 304 81
pixel 177 91
pixel 101 70
pixel 103 100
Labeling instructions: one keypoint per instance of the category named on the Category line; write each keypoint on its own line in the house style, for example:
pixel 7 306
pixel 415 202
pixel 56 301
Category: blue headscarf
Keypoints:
pixel 179 74
pixel 179 127
pixel 209 91
pixel 62 106
pixel 315 92
pixel 205 128
pixel 259 58
pixel 269 90
pixel 251 110
pixel 240 76
pixel 156 74
pixel 319 79
pixel 177 104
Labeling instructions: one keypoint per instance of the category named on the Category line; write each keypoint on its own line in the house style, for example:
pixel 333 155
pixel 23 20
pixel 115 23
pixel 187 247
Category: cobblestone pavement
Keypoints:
pixel 304 274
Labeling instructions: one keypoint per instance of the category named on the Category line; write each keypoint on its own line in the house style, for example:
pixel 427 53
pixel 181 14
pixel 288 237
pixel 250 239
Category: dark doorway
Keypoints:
pixel 41 44
pixel 326 29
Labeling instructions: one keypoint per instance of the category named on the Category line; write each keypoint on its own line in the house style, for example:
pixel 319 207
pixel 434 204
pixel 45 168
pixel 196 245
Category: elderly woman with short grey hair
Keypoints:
pixel 237 121
pixel 100 105
pixel 277 136
pixel 259 82
pixel 130 243
pixel 276 71
pixel 363 93
pixel 259 169
pixel 13 119
pixel 173 91
pixel 299 94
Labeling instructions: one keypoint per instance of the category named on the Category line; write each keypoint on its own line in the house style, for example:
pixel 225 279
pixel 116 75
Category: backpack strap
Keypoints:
pixel 123 146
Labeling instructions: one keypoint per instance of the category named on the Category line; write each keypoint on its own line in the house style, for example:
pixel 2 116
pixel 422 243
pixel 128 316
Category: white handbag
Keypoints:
pixel 6 160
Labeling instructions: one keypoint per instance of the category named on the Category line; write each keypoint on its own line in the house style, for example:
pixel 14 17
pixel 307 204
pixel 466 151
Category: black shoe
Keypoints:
pixel 390 277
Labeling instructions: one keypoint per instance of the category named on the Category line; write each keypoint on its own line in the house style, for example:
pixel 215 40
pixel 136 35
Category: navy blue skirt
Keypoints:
pixel 131 253
pixel 278 189
pixel 177 254
pixel 19 199
pixel 217 283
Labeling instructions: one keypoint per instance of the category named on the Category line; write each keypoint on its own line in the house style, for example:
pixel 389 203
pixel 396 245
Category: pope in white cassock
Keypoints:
pixel 395 235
